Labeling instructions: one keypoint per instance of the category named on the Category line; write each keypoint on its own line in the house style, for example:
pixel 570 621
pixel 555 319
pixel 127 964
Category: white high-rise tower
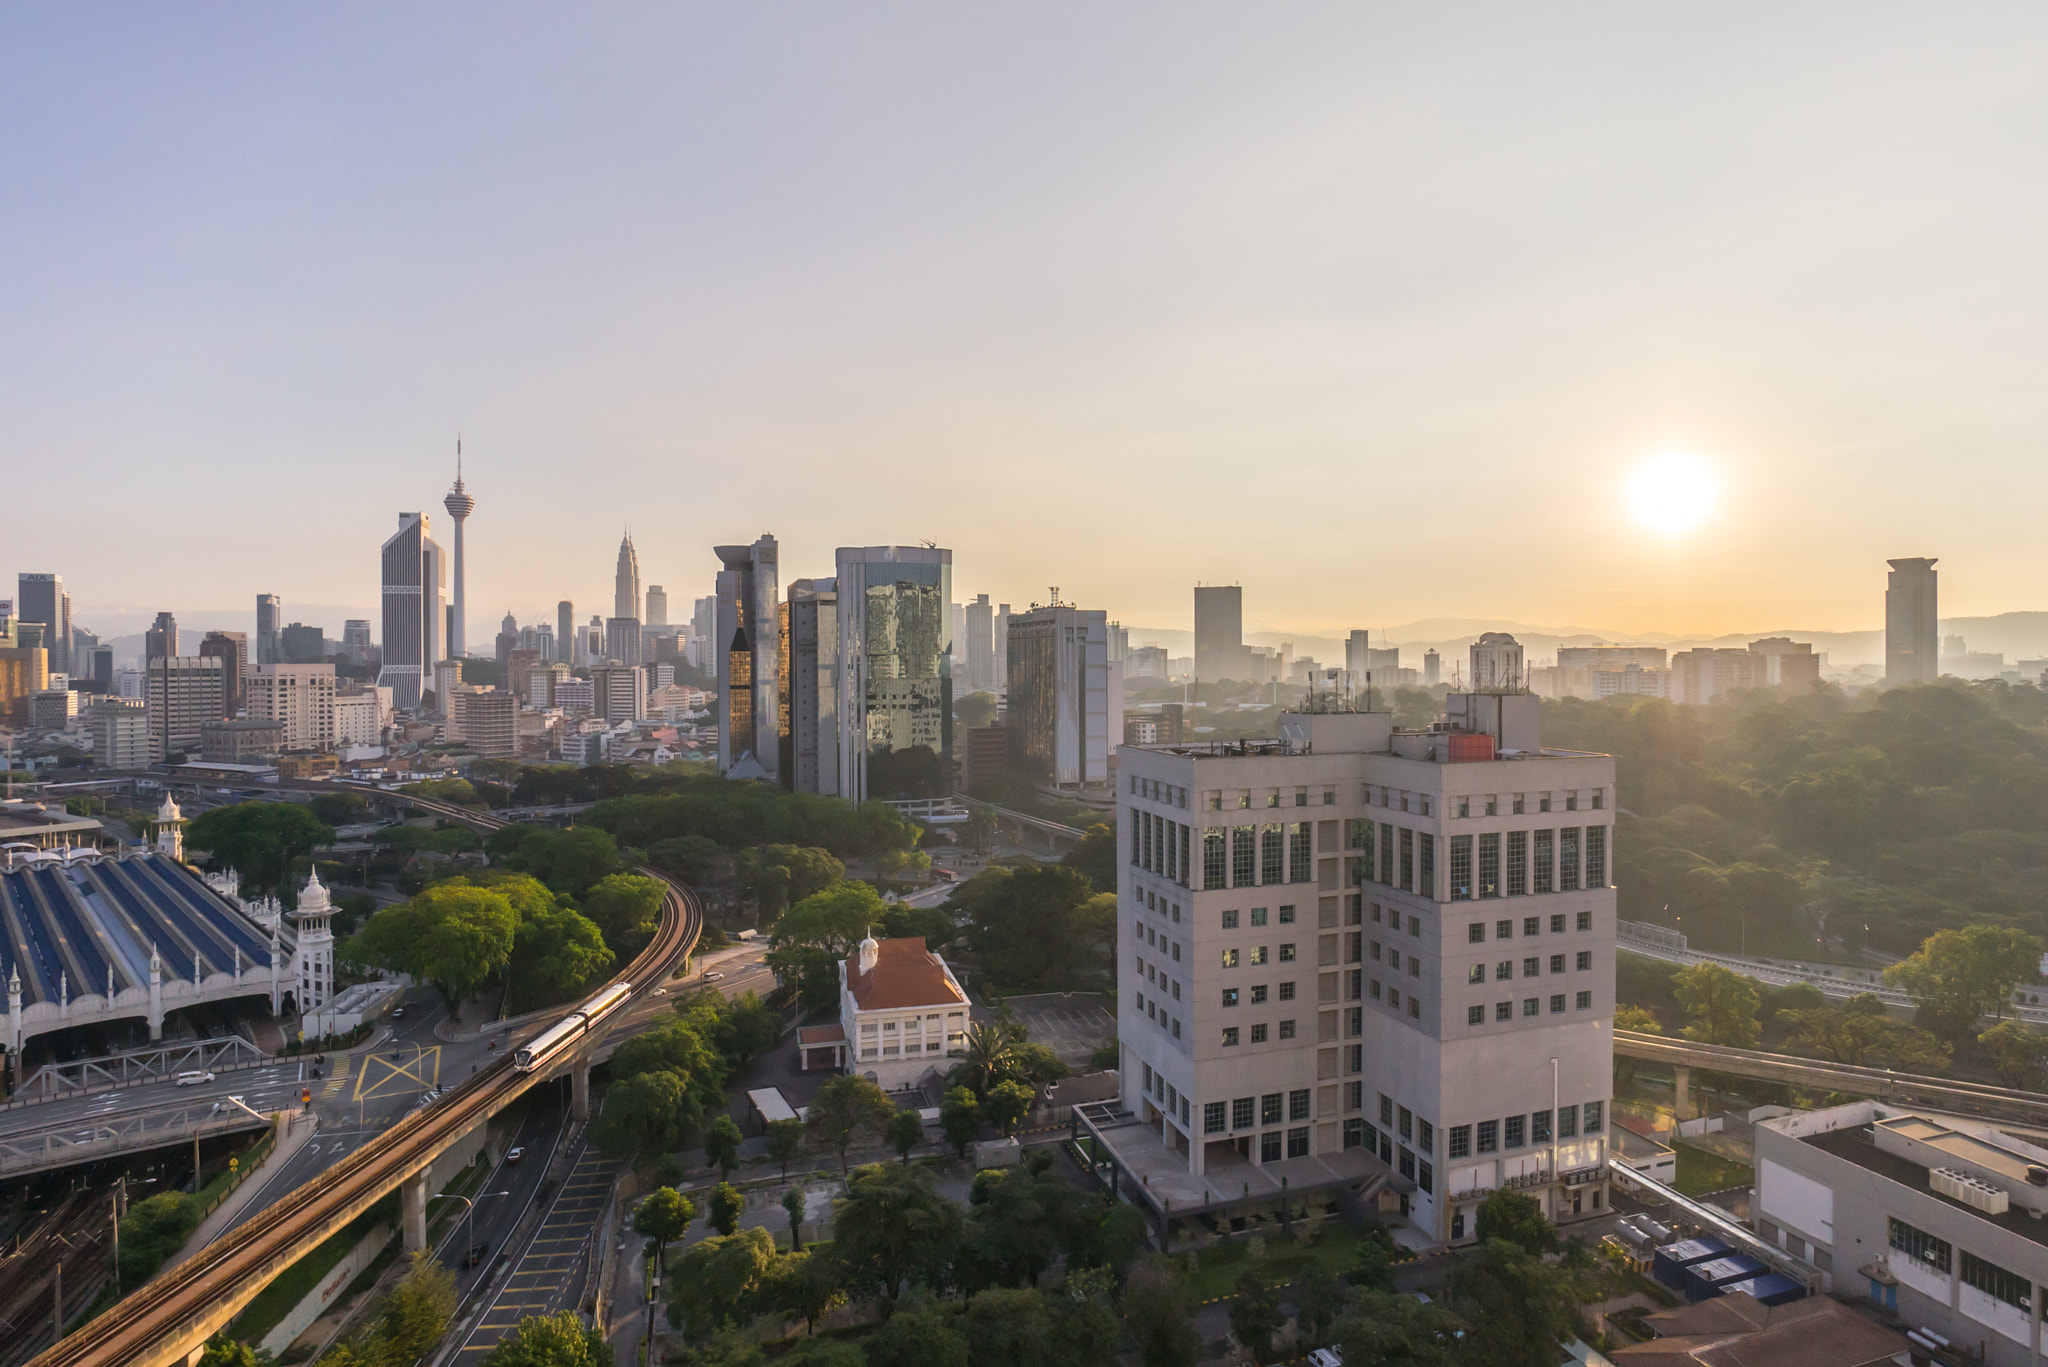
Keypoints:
pixel 459 505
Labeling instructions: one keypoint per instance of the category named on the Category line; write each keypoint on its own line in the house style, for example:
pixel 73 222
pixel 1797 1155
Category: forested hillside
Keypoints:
pixel 1907 811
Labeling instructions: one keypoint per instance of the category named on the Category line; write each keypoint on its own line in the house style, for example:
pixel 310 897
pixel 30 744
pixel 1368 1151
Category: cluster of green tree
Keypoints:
pixel 1037 928
pixel 1959 976
pixel 152 1231
pixel 737 815
pixel 407 1323
pixel 773 877
pixel 558 1340
pixel 666 1081
pixel 478 930
pixel 263 842
pixel 1782 818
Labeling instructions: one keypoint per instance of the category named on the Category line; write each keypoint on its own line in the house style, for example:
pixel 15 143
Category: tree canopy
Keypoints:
pixel 1959 976
pixel 453 934
pixel 1037 927
pixel 258 840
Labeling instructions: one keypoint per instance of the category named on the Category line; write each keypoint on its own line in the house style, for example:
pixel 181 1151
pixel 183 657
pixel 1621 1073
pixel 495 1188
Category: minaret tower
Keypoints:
pixel 170 830
pixel 459 505
pixel 316 946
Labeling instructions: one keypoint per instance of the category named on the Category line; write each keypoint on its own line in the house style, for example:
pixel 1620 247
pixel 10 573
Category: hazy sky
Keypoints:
pixel 1372 310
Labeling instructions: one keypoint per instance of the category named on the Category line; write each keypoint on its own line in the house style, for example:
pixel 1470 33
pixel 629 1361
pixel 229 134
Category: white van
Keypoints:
pixel 194 1078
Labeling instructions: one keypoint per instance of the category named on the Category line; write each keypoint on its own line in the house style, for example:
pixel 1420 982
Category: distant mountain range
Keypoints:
pixel 2015 635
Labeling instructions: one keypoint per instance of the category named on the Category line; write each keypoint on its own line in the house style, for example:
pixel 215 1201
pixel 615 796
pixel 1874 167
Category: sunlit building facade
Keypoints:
pixel 749 639
pixel 415 609
pixel 1058 723
pixel 808 690
pixel 895 672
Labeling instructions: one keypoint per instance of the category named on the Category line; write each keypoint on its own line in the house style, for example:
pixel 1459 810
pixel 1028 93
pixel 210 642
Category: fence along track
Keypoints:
pixel 165 1320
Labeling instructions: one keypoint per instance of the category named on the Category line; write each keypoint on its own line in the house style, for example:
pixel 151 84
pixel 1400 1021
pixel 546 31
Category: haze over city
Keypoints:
pixel 1383 316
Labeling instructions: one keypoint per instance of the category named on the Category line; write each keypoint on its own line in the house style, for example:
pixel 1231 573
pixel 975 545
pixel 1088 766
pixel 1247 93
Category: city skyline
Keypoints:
pixel 968 277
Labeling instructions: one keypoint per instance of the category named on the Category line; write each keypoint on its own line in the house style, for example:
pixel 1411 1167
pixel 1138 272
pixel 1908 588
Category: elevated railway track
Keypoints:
pixel 169 1320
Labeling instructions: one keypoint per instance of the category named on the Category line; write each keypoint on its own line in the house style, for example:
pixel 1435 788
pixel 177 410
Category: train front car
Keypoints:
pixel 549 1042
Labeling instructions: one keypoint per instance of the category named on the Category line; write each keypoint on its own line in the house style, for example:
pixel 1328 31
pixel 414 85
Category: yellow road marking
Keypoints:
pixel 422 1070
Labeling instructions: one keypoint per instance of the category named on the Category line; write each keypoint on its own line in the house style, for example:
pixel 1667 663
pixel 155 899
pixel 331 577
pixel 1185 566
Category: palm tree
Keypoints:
pixel 990 1056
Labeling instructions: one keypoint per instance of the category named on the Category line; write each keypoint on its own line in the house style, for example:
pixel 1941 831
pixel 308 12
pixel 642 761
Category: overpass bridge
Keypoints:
pixel 1884 1084
pixel 1056 836
pixel 169 1320
pixel 63 1145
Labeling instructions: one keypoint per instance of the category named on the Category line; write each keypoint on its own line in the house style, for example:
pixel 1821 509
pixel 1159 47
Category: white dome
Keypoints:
pixel 313 900
pixel 169 811
pixel 870 953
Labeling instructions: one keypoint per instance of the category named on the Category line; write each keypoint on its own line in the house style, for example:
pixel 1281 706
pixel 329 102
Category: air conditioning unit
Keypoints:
pixel 1960 1186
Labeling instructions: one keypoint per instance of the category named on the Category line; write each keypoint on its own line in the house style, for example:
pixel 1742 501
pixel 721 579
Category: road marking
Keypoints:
pixel 422 1071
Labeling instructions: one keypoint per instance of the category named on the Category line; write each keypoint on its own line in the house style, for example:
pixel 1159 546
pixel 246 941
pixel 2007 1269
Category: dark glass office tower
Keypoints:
pixel 749 645
pixel 895 672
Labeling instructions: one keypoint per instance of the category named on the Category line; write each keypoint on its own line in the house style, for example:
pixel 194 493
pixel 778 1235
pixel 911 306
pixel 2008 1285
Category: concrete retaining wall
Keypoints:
pixel 321 1298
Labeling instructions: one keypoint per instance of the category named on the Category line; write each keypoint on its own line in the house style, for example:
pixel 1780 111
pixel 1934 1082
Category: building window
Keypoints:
pixel 1286 953
pixel 1475 1015
pixel 1259 1034
pixel 1531 1006
pixel 1393 997
pixel 1269 1146
pixel 1543 881
pixel 1300 862
pixel 1244 856
pixel 1585 960
pixel 1297 1143
pixel 1230 1037
pixel 1531 966
pixel 1511 1132
pixel 1567 1122
pixel 1354 1132
pixel 1426 852
pixel 1993 1280
pixel 1461 868
pixel 1592 1117
pixel 1596 853
pixel 1230 958
pixel 1386 852
pixel 1212 858
pixel 1414 1006
pixel 1286 1029
pixel 1568 859
pixel 1358 835
pixel 1241 1113
pixel 1504 971
pixel 1287 992
pixel 1518 860
pixel 1272 853
pixel 1585 920
pixel 1259 995
pixel 1414 966
pixel 1532 925
pixel 1297 1104
pixel 1556 1003
pixel 1489 862
pixel 1503 1011
pixel 1475 934
pixel 1256 955
pixel 1287 916
pixel 1375 989
pixel 1459 1140
pixel 1503 930
pixel 1230 996
pixel 1212 1117
pixel 1557 963
pixel 1230 920
pixel 1258 917
pixel 1920 1246
pixel 1585 1001
pixel 1539 1127
pixel 1476 973
pixel 1407 1163
pixel 1489 1136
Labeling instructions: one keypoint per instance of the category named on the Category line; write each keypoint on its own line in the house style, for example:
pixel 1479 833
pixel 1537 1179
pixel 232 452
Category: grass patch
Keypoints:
pixel 1336 1248
pixel 276 1300
pixel 1700 1172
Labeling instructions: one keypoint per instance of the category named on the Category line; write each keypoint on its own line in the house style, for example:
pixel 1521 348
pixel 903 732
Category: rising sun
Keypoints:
pixel 1671 494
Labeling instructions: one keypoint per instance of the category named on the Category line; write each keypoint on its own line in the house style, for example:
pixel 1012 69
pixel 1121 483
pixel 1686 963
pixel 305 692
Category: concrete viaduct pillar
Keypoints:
pixel 412 1201
pixel 1681 1081
pixel 579 1089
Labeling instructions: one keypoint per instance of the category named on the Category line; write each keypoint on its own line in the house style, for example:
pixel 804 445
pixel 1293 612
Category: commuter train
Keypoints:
pixel 572 1027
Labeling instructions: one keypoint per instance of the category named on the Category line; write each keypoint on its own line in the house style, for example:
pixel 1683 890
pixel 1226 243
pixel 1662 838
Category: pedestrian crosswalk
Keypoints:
pixel 339 1080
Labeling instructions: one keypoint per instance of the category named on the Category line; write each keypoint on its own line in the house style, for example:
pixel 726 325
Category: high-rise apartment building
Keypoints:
pixel 565 631
pixel 120 735
pixel 1788 663
pixel 1219 632
pixel 1058 723
pixel 358 717
pixel 507 641
pixel 302 645
pixel 489 718
pixel 980 645
pixel 103 669
pixel 1701 676
pixel 233 649
pixel 459 505
pixel 269 622
pixel 657 606
pixel 161 640
pixel 748 640
pixel 1911 637
pixel 622 640
pixel 1357 954
pixel 415 594
pixel 619 693
pixel 185 692
pixel 1432 668
pixel 299 698
pixel 895 672
pixel 41 598
pixel 807 694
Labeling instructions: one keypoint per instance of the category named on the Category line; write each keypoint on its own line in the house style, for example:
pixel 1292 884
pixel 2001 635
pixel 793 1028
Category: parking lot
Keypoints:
pixel 1071 1024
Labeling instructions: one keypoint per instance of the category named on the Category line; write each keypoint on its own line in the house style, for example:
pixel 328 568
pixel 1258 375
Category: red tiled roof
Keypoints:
pixel 809 1035
pixel 906 974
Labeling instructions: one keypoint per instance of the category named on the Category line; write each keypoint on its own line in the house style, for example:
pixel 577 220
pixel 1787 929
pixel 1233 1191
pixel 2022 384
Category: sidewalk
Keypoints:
pixel 299 1130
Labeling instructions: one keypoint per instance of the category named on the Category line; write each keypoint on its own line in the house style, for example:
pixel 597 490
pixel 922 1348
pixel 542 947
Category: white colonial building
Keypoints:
pixel 901 1012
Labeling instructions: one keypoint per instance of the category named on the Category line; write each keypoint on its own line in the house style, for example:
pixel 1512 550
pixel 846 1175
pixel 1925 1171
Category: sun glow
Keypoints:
pixel 1672 494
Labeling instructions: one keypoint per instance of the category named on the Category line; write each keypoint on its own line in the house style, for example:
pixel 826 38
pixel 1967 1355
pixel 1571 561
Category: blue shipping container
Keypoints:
pixel 1773 1288
pixel 1669 1263
pixel 1703 1280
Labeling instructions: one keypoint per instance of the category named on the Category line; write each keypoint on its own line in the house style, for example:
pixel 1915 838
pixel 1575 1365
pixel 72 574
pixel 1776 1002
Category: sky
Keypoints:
pixel 1376 311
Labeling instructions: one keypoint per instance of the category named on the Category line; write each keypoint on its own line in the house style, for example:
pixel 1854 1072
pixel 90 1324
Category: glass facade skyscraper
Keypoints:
pixel 749 648
pixel 415 608
pixel 896 672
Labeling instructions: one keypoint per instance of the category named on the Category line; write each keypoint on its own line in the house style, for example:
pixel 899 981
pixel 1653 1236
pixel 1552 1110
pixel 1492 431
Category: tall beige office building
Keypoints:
pixel 300 698
pixel 184 693
pixel 1373 962
pixel 1912 651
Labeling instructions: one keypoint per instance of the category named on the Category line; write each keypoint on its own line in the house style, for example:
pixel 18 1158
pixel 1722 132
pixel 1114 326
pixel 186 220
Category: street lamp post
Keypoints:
pixel 469 1213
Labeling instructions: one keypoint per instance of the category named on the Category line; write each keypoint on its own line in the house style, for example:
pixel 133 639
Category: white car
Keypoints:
pixel 194 1078
pixel 1326 1357
pixel 713 977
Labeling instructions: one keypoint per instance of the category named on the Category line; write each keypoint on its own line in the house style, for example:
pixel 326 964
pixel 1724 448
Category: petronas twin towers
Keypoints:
pixel 622 629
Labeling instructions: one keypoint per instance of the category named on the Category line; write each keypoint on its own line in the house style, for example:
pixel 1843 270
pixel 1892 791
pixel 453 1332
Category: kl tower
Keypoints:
pixel 459 505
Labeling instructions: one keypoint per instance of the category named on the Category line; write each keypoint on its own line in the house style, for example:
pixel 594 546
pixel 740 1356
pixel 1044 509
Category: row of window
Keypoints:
pixel 1531 966
pixel 1257 917
pixel 1393 998
pixel 1258 994
pixel 1936 1253
pixel 1268 1111
pixel 1152 790
pixel 1255 856
pixel 1233 1035
pixel 1489 882
pixel 1255 955
pixel 1504 929
pixel 1489 805
pixel 1397 1156
pixel 1162 1090
pixel 1160 846
pixel 1245 799
pixel 1156 1012
pixel 1531 1006
pixel 1515 1131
